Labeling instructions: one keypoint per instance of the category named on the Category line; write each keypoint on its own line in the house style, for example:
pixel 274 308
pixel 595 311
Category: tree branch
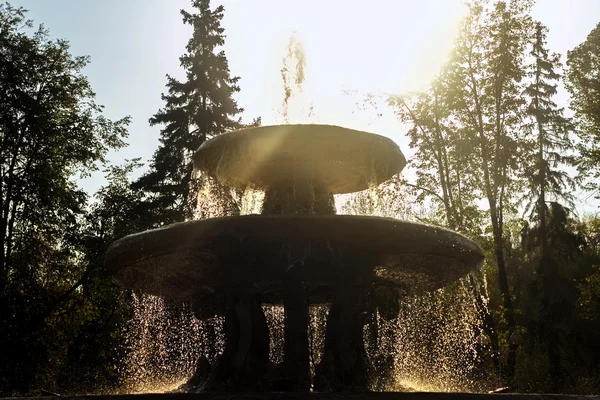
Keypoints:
pixel 431 192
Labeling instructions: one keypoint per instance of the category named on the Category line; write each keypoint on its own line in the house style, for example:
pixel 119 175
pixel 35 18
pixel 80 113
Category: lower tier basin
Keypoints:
pixel 199 260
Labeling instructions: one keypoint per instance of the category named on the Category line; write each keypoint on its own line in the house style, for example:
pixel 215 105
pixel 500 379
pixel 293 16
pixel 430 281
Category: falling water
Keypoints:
pixel 316 333
pixel 432 343
pixel 390 199
pixel 164 343
pixel 214 199
pixel 275 320
pixel 252 201
pixel 434 340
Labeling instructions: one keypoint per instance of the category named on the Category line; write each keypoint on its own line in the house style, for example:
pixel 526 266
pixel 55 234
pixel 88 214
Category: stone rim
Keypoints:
pixel 165 261
pixel 347 160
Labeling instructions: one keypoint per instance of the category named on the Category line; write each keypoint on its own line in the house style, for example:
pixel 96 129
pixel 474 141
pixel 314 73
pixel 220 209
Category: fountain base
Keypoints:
pixel 244 364
pixel 321 396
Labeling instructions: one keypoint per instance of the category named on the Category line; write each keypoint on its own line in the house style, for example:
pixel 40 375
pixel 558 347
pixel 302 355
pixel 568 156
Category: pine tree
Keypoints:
pixel 552 141
pixel 195 110
pixel 550 145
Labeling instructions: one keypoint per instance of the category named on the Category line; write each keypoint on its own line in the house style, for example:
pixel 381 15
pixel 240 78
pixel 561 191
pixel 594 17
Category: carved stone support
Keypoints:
pixel 245 359
pixel 294 373
pixel 344 366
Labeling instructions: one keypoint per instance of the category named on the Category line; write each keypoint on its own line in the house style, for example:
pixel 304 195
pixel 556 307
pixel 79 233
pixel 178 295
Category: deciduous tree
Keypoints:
pixel 51 130
pixel 583 83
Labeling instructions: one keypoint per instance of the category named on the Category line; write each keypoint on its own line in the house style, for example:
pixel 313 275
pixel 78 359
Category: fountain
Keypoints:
pixel 296 253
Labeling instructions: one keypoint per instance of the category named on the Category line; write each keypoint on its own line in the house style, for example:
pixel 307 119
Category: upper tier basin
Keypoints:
pixel 199 259
pixel 345 160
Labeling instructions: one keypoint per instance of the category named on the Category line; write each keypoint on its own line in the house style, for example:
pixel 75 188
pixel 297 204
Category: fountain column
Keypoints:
pixel 296 357
pixel 305 194
pixel 344 365
pixel 245 359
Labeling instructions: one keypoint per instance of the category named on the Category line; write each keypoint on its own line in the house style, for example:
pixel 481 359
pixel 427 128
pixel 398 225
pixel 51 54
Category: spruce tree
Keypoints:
pixel 551 144
pixel 195 110
pixel 551 130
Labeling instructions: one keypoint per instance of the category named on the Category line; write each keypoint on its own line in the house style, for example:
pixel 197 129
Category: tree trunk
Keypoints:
pixel 497 236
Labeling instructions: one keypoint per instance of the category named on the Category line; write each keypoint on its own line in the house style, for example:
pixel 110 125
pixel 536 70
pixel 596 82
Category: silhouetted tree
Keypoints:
pixel 486 71
pixel 551 142
pixel 550 294
pixel 583 83
pixel 550 149
pixel 442 158
pixel 50 130
pixel 195 109
pixel 95 357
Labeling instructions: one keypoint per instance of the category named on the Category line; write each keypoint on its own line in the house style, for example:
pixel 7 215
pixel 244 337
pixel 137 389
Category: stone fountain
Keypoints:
pixel 296 253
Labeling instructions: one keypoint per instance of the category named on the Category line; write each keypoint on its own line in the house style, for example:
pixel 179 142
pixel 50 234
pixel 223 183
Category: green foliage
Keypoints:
pixel 62 318
pixel 487 129
pixel 550 295
pixel 583 83
pixel 467 130
pixel 550 131
pixel 50 130
pixel 441 157
pixel 485 81
pixel 589 300
pixel 549 310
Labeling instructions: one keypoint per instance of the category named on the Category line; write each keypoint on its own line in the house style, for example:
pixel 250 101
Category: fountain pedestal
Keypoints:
pixel 306 196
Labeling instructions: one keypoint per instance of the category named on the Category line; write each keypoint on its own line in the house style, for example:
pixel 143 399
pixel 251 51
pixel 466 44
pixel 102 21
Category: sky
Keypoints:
pixel 390 46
